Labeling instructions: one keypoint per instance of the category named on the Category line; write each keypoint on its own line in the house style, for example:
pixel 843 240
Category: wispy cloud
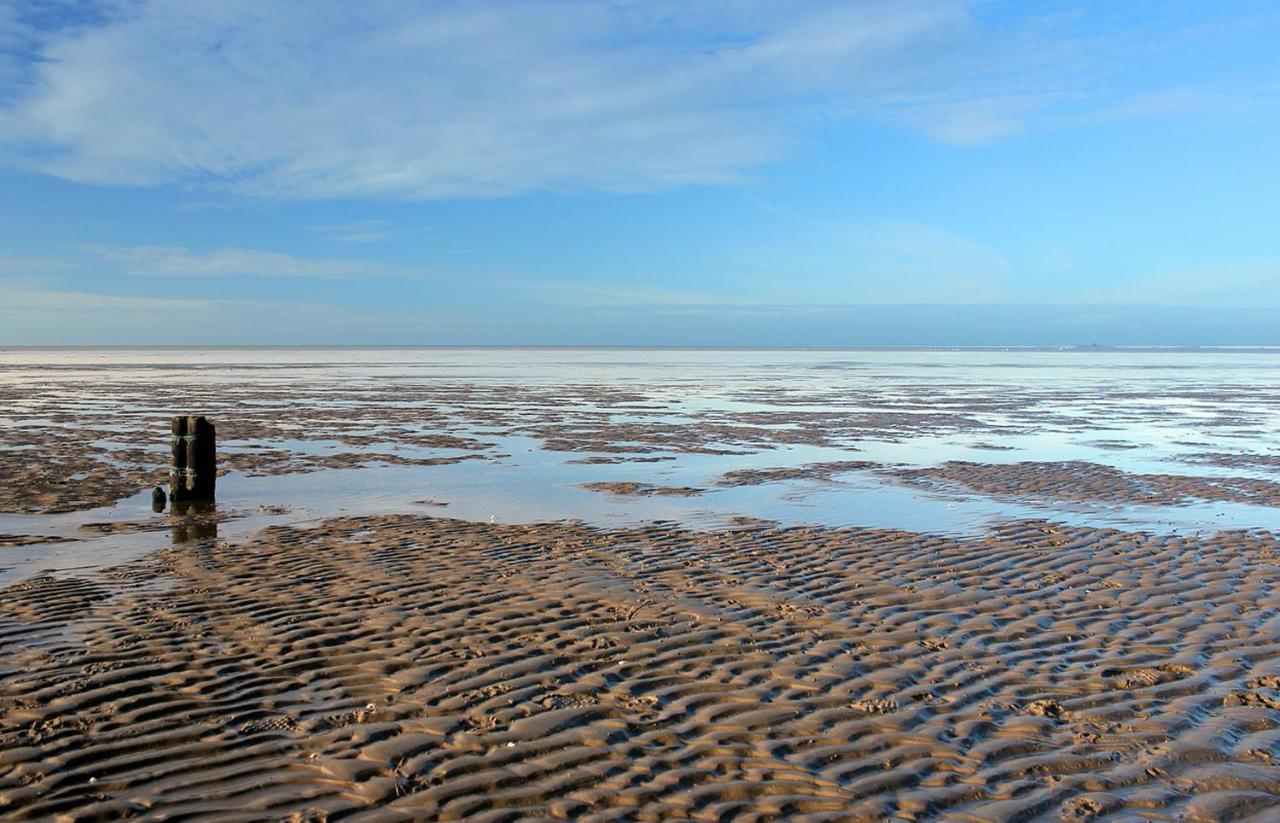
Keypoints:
pixel 407 99
pixel 1180 103
pixel 12 267
pixel 21 302
pixel 70 316
pixel 359 231
pixel 976 120
pixel 175 261
pixel 436 100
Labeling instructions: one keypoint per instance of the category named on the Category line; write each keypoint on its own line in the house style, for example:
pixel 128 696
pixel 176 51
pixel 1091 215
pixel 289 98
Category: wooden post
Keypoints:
pixel 178 468
pixel 194 472
pixel 206 460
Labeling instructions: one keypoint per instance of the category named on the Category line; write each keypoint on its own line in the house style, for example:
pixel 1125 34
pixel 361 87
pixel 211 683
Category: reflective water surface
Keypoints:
pixel 538 413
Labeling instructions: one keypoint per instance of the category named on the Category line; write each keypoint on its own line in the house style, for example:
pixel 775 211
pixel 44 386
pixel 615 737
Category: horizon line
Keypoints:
pixel 1084 348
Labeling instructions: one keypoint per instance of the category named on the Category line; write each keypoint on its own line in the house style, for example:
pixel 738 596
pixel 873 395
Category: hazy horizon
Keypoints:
pixel 921 326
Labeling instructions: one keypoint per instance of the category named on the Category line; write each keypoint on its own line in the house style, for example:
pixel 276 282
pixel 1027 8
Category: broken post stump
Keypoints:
pixel 194 470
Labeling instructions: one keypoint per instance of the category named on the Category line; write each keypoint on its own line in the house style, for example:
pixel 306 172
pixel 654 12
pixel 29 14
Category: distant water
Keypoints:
pixel 1144 411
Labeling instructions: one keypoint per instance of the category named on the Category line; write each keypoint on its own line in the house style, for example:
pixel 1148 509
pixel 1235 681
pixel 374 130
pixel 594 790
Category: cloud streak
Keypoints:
pixel 421 100
pixel 359 231
pixel 47 316
pixel 53 301
pixel 176 261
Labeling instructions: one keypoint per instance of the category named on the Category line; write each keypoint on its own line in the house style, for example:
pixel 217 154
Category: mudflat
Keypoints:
pixel 426 598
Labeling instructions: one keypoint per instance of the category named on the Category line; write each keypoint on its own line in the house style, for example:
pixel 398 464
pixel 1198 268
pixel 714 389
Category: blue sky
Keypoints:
pixel 683 173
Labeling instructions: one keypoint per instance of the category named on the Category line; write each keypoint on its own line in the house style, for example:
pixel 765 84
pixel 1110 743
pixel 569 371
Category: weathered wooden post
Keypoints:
pixel 194 471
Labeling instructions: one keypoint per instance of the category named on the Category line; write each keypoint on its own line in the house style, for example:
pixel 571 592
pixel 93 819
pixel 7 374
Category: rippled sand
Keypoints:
pixel 428 668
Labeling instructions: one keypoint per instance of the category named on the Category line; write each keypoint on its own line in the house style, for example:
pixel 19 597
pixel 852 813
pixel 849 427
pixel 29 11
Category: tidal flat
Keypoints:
pixel 620 584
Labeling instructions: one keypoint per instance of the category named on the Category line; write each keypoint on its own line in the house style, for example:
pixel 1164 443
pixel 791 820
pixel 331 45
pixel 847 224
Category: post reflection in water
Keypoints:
pixel 194 520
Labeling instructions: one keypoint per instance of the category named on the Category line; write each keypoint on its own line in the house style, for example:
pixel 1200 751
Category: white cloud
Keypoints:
pixel 175 261
pixel 359 231
pixel 21 302
pixel 431 99
pixel 423 100
pixel 440 98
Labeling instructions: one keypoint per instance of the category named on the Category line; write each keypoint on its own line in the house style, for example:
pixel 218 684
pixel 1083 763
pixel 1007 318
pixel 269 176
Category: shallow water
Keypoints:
pixel 1139 411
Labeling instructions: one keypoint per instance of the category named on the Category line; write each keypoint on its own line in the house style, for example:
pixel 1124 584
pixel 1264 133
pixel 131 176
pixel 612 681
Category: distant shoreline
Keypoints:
pixel 1086 349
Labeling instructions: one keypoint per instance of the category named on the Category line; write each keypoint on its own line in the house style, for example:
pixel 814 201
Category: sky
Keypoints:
pixel 609 172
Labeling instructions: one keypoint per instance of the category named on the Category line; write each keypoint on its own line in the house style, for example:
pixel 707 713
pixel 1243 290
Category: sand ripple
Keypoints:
pixel 440 669
pixel 1092 482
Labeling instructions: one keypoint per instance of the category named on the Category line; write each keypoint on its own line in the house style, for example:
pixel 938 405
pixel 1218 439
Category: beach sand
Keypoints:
pixel 413 667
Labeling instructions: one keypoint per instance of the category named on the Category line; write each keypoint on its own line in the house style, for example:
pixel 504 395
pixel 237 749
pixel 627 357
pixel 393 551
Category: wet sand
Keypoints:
pixel 632 489
pixel 408 667
pixel 402 665
pixel 1091 482
pixel 83 430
